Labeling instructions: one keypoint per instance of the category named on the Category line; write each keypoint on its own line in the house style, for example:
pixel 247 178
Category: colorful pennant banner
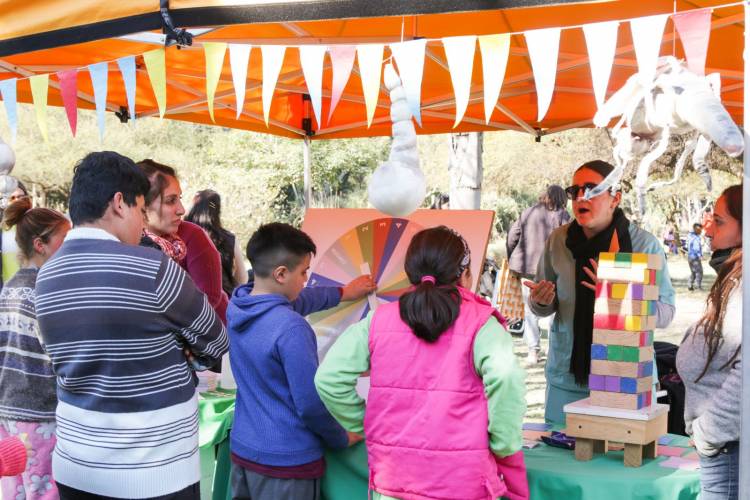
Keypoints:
pixel 99 73
pixel 311 57
pixel 69 91
pixel 601 44
pixel 214 53
pixel 239 58
pixel 127 70
pixel 409 58
pixel 694 29
pixel 8 93
pixel 543 46
pixel 342 60
pixel 495 50
pixel 273 58
pixel 39 85
pixel 370 59
pixel 647 36
pixel 459 51
pixel 157 73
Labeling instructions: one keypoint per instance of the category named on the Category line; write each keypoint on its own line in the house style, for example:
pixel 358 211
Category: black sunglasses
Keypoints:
pixel 572 191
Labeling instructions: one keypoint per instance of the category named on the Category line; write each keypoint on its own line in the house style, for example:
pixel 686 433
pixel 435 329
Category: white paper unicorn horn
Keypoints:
pixel 397 187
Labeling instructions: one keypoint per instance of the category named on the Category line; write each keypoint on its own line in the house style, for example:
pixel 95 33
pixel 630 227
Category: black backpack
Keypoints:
pixel 669 379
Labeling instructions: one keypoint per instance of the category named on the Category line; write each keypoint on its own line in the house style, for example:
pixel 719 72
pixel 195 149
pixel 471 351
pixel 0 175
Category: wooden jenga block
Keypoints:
pixel 625 322
pixel 596 382
pixel 620 400
pixel 630 260
pixel 619 337
pixel 622 291
pixel 625 307
pixel 614 352
pixel 622 368
pixel 626 385
pixel 598 351
pixel 637 275
pixel 629 385
pixel 637 354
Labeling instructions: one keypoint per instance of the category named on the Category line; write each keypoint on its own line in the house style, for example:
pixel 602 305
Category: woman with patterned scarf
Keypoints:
pixel 185 242
pixel 566 280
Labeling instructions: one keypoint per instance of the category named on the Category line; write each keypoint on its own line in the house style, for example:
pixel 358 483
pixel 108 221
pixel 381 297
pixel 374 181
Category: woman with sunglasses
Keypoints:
pixel 566 280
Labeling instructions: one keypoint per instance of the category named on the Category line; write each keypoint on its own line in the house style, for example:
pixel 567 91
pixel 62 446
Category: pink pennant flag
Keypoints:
pixel 69 91
pixel 342 60
pixel 694 28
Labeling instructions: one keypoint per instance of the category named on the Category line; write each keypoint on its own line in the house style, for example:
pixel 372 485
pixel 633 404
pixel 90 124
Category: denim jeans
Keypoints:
pixel 720 473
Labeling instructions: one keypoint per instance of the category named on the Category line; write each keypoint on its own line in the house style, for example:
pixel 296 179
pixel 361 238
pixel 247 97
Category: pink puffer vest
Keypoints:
pixel 426 419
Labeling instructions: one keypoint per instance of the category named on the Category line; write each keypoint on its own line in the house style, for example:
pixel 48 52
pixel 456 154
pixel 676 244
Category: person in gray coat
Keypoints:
pixel 525 244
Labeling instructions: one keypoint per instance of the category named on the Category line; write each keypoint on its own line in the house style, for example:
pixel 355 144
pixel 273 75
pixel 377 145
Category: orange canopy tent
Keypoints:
pixel 46 36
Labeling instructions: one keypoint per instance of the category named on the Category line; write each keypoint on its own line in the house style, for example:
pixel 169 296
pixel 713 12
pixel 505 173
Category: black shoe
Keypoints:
pixel 690 288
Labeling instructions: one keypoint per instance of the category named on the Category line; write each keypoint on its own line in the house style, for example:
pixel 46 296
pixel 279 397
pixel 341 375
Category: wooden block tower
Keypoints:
pixel 620 404
pixel 622 350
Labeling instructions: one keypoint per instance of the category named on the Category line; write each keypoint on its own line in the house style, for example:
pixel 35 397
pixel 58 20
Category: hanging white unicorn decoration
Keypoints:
pixel 676 102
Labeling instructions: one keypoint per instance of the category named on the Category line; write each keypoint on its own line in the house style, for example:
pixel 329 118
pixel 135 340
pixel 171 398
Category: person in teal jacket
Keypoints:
pixel 566 277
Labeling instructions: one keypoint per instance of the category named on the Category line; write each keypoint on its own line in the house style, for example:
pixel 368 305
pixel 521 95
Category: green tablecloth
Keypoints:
pixel 553 473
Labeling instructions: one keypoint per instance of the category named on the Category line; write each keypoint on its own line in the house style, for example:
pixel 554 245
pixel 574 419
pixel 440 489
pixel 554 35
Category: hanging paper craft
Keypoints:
pixel 459 51
pixel 543 48
pixel 370 58
pixel 273 58
pixel 68 90
pixel 647 35
pixel 8 93
pixel 409 58
pixel 39 86
pixel 342 61
pixel 127 69
pixel 214 52
pixel 495 50
pixel 694 29
pixel 157 73
pixel 311 57
pixel 239 57
pixel 98 74
pixel 601 43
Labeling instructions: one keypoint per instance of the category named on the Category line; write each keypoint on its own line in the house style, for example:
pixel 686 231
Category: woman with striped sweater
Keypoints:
pixel 27 384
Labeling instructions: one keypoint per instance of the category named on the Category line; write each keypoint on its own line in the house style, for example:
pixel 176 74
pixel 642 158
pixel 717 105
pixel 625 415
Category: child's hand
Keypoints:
pixel 354 438
pixel 358 288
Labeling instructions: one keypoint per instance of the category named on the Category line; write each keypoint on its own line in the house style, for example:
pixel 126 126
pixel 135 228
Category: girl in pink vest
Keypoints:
pixel 447 397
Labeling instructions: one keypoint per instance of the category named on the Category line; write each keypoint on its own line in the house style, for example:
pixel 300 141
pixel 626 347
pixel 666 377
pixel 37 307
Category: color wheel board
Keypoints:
pixel 348 238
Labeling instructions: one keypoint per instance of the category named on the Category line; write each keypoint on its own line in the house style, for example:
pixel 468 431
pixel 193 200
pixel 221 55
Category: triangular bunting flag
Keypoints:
pixel 311 57
pixel 495 50
pixel 370 59
pixel 214 52
pixel 157 73
pixel 69 91
pixel 39 88
pixel 273 58
pixel 127 69
pixel 409 58
pixel 601 43
pixel 459 51
pixel 647 35
pixel 342 60
pixel 239 57
pixel 99 80
pixel 694 29
pixel 543 45
pixel 8 93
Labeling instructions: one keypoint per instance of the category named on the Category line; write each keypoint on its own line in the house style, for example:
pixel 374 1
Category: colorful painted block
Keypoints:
pixel 624 260
pixel 621 291
pixel 619 337
pixel 598 351
pixel 626 322
pixel 611 384
pixel 620 400
pixel 614 352
pixel 629 275
pixel 596 382
pixel 622 368
pixel 637 354
pixel 632 385
pixel 606 305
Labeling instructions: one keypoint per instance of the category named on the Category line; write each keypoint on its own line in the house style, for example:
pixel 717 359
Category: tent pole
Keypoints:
pixel 744 490
pixel 307 177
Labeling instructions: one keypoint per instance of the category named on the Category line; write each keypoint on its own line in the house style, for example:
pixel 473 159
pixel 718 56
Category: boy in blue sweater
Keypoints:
pixel 280 424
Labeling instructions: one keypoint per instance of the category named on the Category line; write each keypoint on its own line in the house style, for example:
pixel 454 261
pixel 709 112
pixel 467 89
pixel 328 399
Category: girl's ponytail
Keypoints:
pixel 435 261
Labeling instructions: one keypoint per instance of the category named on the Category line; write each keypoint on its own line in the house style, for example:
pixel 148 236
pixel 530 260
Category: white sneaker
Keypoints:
pixel 533 357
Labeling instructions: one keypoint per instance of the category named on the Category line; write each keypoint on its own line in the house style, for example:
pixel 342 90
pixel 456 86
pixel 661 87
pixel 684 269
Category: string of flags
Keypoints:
pixel 693 28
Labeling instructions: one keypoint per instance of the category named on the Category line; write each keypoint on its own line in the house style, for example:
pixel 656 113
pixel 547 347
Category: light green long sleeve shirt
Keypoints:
pixel 494 361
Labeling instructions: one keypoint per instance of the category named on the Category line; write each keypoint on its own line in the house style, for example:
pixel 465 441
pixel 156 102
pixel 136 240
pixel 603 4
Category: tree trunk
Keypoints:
pixel 465 169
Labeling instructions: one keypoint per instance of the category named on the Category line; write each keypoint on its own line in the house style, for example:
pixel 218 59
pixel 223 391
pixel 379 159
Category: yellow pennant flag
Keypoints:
pixel 214 52
pixel 157 73
pixel 370 58
pixel 39 85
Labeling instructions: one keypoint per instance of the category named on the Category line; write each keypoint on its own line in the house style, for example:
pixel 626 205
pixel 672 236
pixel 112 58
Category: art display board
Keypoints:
pixel 348 238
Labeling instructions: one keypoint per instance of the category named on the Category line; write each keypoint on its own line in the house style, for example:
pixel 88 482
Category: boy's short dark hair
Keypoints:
pixel 697 226
pixel 96 179
pixel 277 244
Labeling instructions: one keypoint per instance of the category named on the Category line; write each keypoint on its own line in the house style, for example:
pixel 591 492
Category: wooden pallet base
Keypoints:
pixel 593 432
